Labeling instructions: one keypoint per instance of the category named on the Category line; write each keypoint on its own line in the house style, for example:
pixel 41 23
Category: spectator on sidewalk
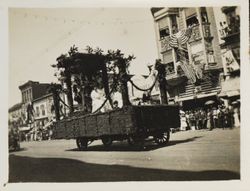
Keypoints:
pixel 197 118
pixel 215 118
pixel 183 121
pixel 236 117
pixel 210 119
pixel 187 120
pixel 192 120
pixel 204 119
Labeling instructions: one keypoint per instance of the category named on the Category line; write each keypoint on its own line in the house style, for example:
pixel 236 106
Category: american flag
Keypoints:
pixel 186 66
pixel 188 70
pixel 180 38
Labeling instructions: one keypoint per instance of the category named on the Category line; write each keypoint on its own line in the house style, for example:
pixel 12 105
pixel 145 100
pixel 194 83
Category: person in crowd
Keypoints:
pixel 212 119
pixel 115 105
pixel 218 115
pixel 146 98
pixel 209 119
pixel 236 117
pixel 231 115
pixel 183 121
pixel 221 117
pixel 200 120
pixel 227 120
pixel 197 119
pixel 192 120
pixel 215 118
pixel 226 28
pixel 117 96
pixel 204 119
pixel 187 120
pixel 222 31
pixel 26 137
pixel 50 133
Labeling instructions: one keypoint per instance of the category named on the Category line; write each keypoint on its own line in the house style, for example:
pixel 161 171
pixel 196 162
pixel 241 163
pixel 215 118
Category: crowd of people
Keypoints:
pixel 38 134
pixel 210 118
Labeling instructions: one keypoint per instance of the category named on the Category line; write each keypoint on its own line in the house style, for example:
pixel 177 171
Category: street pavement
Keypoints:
pixel 190 155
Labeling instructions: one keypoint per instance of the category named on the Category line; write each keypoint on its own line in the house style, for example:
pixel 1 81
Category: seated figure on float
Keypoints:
pixel 98 98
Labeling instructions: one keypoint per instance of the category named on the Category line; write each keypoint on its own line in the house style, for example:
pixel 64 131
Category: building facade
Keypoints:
pixel 30 91
pixel 43 110
pixel 15 114
pixel 203 53
pixel 230 47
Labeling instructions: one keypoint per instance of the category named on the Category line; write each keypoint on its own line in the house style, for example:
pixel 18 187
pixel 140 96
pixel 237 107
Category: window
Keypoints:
pixel 42 109
pixel 164 32
pixel 167 57
pixel 192 20
pixel 37 111
pixel 204 17
pixel 174 25
pixel 23 96
pixel 233 21
pixel 163 27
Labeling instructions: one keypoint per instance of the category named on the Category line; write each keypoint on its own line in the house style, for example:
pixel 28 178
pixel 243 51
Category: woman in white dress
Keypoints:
pixel 236 118
pixel 183 121
pixel 98 97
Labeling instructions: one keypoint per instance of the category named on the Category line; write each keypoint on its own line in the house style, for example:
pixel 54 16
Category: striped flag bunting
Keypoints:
pixel 180 38
pixel 188 71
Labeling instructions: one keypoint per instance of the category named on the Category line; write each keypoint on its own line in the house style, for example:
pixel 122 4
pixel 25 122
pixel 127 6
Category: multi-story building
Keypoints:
pixel 230 47
pixel 30 91
pixel 15 114
pixel 203 53
pixel 43 112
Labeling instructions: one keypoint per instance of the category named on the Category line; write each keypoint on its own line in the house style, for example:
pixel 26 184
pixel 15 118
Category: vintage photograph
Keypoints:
pixel 111 94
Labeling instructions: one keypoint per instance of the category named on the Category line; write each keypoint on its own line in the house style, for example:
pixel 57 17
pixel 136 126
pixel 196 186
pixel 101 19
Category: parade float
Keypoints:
pixel 133 123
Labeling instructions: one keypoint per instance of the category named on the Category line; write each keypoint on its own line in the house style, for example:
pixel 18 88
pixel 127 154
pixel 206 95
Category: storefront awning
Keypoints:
pixel 230 87
pixel 233 93
pixel 197 97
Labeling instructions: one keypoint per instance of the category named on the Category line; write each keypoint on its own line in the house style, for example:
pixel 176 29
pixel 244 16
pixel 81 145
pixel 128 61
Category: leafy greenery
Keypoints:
pixel 90 70
pixel 88 65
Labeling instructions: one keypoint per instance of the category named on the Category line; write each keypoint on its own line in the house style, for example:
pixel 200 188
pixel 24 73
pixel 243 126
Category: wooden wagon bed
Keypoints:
pixel 129 120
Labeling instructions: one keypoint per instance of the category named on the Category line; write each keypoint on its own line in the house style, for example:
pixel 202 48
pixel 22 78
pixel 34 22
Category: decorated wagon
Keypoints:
pixel 133 123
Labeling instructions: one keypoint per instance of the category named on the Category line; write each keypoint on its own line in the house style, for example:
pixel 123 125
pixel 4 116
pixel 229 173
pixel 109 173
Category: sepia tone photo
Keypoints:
pixel 124 94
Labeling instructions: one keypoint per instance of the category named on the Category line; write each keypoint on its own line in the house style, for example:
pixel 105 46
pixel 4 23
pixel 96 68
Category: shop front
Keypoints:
pixel 230 91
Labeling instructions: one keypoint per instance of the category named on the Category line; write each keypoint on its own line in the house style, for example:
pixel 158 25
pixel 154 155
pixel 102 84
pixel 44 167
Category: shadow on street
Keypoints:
pixel 21 149
pixel 125 147
pixel 27 169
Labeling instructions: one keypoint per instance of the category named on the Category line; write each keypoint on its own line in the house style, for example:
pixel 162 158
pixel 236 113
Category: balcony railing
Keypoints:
pixel 165 44
pixel 196 35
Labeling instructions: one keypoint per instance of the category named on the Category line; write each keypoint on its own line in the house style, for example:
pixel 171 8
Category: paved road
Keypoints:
pixel 190 155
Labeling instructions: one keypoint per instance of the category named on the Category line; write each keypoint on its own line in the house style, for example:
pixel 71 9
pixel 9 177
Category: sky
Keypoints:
pixel 38 36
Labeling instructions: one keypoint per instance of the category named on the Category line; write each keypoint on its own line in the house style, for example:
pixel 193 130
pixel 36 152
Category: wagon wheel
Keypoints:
pixel 107 141
pixel 82 143
pixel 162 138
